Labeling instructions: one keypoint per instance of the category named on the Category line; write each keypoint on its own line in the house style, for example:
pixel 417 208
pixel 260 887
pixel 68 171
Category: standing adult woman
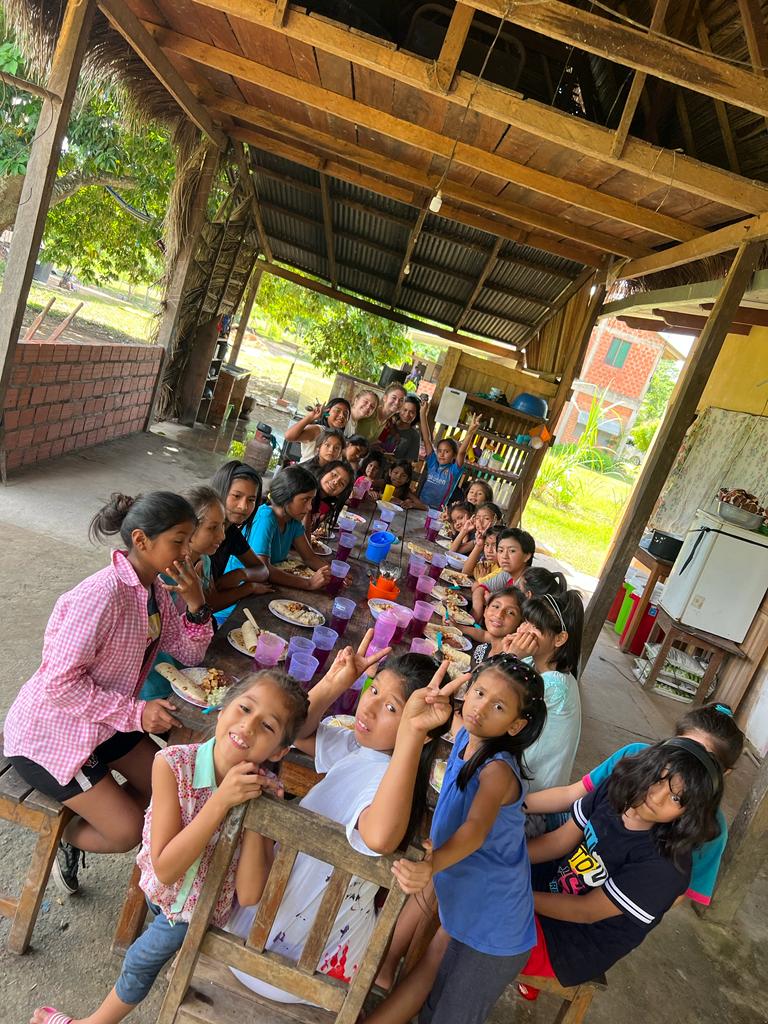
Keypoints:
pixel 309 428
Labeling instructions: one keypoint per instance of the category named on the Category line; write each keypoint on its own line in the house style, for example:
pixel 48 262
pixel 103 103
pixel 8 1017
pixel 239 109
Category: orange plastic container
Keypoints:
pixel 386 590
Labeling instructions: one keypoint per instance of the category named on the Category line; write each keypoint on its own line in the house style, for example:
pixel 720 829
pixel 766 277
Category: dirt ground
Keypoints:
pixel 687 971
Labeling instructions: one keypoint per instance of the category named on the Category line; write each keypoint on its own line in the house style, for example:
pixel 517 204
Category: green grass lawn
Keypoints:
pixel 270 365
pixel 581 534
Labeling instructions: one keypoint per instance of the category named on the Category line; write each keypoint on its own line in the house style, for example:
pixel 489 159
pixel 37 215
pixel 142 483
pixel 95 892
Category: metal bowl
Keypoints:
pixel 738 517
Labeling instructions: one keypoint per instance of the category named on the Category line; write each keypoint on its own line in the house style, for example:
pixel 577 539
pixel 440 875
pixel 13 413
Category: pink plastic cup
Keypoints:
pixel 384 629
pixel 339 572
pixel 342 611
pixel 437 565
pixel 424 586
pixel 403 616
pixel 433 515
pixel 347 540
pixel 324 640
pixel 416 568
pixel 420 645
pixel 422 613
pixel 431 529
pixel 269 647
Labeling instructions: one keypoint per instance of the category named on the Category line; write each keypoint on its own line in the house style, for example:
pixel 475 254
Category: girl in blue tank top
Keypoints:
pixel 479 862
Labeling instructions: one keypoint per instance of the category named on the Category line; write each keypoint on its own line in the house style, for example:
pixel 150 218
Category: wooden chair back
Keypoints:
pixel 296 830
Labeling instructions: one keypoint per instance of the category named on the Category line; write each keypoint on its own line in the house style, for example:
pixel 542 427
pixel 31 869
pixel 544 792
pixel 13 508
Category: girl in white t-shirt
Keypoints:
pixel 376 786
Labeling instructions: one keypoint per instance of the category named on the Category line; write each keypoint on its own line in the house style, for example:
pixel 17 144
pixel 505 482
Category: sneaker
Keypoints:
pixel 66 866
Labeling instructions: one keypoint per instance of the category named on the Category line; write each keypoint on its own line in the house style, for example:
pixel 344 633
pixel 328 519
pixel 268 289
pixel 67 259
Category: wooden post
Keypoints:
pixel 669 437
pixel 745 853
pixel 250 298
pixel 38 182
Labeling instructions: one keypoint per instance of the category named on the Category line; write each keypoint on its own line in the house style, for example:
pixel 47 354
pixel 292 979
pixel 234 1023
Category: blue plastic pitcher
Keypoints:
pixel 379 545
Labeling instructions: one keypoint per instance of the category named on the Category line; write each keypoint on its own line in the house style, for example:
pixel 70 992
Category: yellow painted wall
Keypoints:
pixel 739 380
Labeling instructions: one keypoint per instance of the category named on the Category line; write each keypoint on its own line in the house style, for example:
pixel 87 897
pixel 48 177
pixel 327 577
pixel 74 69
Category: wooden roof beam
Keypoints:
pixel 751 229
pixel 639 323
pixel 753 24
pixel 745 315
pixel 690 322
pixel 485 273
pixel 405 266
pixel 721 111
pixel 638 84
pixel 243 163
pixel 328 229
pixel 559 227
pixel 411 134
pixel 623 44
pixel 124 21
pixel 655 163
pixel 453 44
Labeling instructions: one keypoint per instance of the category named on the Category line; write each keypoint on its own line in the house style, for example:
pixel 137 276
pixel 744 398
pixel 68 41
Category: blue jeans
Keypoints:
pixel 147 956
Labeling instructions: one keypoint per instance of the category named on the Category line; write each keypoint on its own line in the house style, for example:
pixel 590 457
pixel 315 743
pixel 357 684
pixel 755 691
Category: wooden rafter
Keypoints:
pixel 752 229
pixel 328 229
pixel 631 47
pixel 405 265
pixel 124 21
pixel 753 23
pixel 637 86
pixel 690 322
pixel 411 134
pixel 485 273
pixel 453 44
pixel 745 315
pixel 721 112
pixel 538 119
pixel 246 176
pixel 278 18
pixel 31 87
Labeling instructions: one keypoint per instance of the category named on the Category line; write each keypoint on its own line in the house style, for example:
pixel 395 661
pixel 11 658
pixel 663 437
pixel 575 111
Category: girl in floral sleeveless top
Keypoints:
pixel 193 789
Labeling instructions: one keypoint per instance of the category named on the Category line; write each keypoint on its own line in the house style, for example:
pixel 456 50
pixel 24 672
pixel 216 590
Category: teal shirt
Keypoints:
pixel 705 861
pixel 267 539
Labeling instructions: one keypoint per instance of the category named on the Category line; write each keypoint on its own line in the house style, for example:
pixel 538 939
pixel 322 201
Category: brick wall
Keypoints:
pixel 631 379
pixel 66 397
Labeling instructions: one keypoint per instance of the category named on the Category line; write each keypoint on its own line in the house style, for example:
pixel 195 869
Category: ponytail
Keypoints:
pixel 152 513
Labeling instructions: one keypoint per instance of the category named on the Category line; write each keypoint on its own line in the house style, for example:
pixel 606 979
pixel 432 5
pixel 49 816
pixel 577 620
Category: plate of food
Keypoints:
pixel 319 548
pixel 444 542
pixel 237 637
pixel 295 569
pixel 419 549
pixel 459 578
pixel 378 605
pixel 352 516
pixel 296 613
pixel 437 774
pixel 459 661
pixel 341 721
pixel 449 596
pixel 452 637
pixel 203 687
pixel 460 616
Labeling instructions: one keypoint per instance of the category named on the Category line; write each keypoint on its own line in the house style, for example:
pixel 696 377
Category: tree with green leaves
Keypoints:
pixel 337 337
pixel 91 227
pixel 655 403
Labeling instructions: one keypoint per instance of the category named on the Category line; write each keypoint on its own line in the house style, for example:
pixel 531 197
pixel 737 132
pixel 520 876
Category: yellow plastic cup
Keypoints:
pixel 389 490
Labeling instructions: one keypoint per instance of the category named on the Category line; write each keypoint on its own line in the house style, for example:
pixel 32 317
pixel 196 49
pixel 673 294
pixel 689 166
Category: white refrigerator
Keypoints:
pixel 719 578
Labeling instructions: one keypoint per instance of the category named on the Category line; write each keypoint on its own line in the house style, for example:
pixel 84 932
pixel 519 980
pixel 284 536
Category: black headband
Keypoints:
pixel 702 755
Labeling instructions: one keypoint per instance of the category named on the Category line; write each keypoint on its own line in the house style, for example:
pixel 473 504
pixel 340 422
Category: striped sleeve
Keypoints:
pixel 645 890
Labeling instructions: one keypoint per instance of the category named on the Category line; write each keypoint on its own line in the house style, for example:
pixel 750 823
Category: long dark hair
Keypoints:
pixel 288 483
pixel 334 502
pixel 330 405
pixel 562 614
pixel 541 581
pixel 225 476
pixel 716 720
pixel 152 513
pixel 702 782
pixel 529 687
pixel 415 671
pixel 313 464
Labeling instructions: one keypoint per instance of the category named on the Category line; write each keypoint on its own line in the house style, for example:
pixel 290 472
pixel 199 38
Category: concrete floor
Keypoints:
pixel 686 972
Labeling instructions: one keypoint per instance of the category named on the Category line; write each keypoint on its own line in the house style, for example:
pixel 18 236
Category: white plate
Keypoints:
pixel 235 637
pixel 196 675
pixel 319 548
pixel 354 516
pixel 276 611
pixel 431 631
pixel 449 595
pixel 378 604
pixel 388 506
pixel 444 542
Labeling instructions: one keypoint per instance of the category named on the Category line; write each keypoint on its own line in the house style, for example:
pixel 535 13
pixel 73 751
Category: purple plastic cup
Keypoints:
pixel 347 541
pixel 342 611
pixel 324 640
pixel 339 572
pixel 420 645
pixel 439 562
pixel 403 616
pixel 431 529
pixel 379 526
pixel 417 566
pixel 303 668
pixel 300 646
pixel 269 647
pixel 384 629
pixel 424 586
pixel 422 613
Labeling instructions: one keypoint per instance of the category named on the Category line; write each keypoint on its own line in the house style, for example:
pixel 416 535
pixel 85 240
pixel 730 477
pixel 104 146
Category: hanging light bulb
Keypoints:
pixel 436 202
pixel 407 269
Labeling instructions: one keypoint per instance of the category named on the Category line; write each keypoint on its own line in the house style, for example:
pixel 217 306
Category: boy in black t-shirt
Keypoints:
pixel 606 878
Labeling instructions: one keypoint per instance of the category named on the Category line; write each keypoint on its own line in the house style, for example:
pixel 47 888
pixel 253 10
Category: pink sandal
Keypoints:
pixel 56 1016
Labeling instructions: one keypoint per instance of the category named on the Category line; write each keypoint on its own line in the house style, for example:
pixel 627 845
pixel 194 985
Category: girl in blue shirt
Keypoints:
pixel 279 526
pixel 479 862
pixel 444 464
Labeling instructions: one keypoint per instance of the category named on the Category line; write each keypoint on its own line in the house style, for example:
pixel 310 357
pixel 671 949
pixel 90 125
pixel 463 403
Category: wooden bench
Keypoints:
pixel 201 989
pixel 24 806
pixel 576 999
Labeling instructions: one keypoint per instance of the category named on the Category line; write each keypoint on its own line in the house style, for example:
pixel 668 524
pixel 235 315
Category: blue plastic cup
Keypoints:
pixel 303 668
pixel 379 545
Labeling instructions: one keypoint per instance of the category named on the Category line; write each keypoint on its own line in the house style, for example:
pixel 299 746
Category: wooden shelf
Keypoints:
pixel 508 410
pixel 506 441
pixel 502 474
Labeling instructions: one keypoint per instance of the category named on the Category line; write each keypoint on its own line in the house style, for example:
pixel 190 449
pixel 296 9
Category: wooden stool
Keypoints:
pixel 22 804
pixel 675 631
pixel 576 998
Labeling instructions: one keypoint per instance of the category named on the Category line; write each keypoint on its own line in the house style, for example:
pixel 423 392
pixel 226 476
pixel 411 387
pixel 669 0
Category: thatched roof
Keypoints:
pixel 351 130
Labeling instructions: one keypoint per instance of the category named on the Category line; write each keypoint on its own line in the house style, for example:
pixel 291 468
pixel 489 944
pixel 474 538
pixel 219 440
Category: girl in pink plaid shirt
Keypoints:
pixel 79 715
